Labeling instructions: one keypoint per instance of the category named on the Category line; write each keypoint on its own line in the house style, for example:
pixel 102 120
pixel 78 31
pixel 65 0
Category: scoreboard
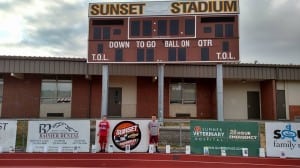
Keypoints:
pixel 164 31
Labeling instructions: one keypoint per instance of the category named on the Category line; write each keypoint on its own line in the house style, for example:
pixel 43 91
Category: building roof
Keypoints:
pixel 78 66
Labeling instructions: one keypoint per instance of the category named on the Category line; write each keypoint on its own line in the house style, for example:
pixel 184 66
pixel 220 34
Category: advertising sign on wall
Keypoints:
pixel 121 133
pixel 8 132
pixel 224 138
pixel 58 136
pixel 283 139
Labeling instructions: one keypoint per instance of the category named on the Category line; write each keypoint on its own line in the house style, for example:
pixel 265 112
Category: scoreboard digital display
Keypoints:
pixel 164 31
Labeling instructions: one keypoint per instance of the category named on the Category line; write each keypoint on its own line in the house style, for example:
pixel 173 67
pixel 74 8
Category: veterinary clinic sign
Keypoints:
pixel 58 136
pixel 211 137
pixel 160 8
pixel 283 139
pixel 8 132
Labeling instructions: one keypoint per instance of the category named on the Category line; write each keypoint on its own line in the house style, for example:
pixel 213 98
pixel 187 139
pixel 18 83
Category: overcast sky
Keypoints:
pixel 269 29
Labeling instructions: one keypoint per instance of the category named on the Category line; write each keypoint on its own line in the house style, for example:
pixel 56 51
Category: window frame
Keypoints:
pixel 183 92
pixel 56 99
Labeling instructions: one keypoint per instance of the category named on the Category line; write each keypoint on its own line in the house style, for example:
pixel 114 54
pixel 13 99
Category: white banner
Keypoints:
pixel 283 139
pixel 8 133
pixel 58 136
pixel 134 133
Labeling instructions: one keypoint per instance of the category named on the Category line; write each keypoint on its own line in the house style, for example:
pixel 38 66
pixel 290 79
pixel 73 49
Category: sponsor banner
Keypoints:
pixel 134 133
pixel 226 138
pixel 8 133
pixel 283 139
pixel 159 8
pixel 58 136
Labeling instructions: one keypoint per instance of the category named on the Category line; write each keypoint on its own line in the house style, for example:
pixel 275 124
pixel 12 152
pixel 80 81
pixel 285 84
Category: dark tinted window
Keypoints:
pixel 190 27
pixel 172 54
pixel 100 48
pixel 108 22
pixel 225 46
pixel 207 29
pixel 204 54
pixel 147 28
pixel 140 54
pixel 97 33
pixel 181 54
pixel 117 31
pixel 150 54
pixel 106 33
pixel 162 27
pixel 135 28
pixel 174 27
pixel 217 19
pixel 229 30
pixel 219 30
pixel 119 55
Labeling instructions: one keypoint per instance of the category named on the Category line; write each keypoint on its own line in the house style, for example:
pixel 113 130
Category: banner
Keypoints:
pixel 283 139
pixel 121 133
pixel 58 136
pixel 163 8
pixel 8 133
pixel 224 138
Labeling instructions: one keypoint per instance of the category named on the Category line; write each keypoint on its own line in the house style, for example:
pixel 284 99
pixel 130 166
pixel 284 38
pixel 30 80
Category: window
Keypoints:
pixel 217 19
pixel 117 31
pixel 150 54
pixel 1 91
pixel 56 91
pixel 147 28
pixel 106 33
pixel 98 22
pixel 183 93
pixel 162 27
pixel 100 48
pixel 225 46
pixel 229 30
pixel 205 54
pixel 219 30
pixel 181 54
pixel 174 27
pixel 172 54
pixel 140 55
pixel 119 55
pixel 135 28
pixel 207 29
pixel 97 33
pixel 177 54
pixel 189 27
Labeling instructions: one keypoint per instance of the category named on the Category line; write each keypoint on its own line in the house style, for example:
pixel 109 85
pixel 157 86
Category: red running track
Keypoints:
pixel 134 160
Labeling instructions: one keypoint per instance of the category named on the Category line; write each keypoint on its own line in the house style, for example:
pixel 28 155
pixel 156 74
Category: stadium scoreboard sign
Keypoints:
pixel 163 8
pixel 163 31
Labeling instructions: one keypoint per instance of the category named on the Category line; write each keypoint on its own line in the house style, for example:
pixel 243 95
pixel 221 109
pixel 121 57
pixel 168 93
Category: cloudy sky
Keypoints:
pixel 269 29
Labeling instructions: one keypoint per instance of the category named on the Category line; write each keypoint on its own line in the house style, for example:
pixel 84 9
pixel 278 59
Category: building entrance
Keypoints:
pixel 114 102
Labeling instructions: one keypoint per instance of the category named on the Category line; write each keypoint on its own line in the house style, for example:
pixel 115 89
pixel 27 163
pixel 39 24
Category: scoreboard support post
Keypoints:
pixel 161 72
pixel 104 101
pixel 220 92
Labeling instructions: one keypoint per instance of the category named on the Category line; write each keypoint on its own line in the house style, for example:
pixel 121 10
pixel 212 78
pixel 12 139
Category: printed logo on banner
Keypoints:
pixel 59 130
pixel 208 133
pixel 287 133
pixel 126 133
